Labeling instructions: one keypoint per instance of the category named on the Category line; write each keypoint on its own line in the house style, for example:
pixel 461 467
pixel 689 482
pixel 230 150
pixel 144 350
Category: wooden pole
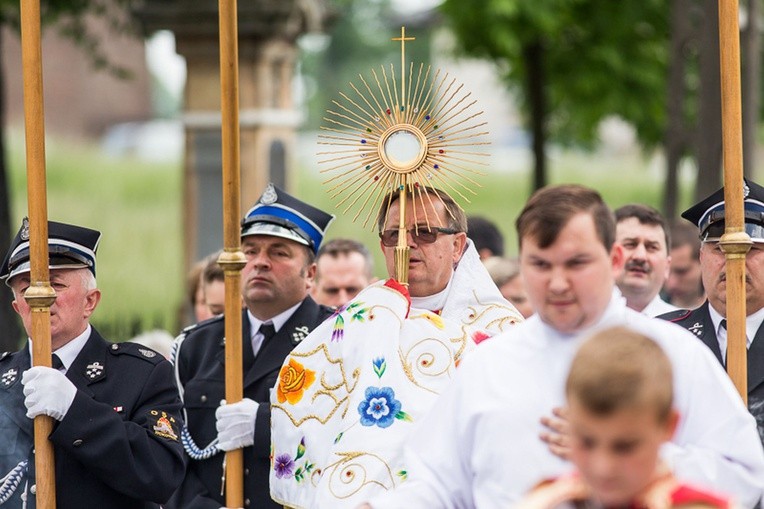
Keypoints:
pixel 232 259
pixel 735 242
pixel 40 295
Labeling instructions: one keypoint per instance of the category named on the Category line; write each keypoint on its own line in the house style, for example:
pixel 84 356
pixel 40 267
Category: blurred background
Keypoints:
pixel 621 96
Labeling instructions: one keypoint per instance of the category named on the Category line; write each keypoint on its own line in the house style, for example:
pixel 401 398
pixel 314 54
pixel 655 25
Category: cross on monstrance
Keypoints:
pixel 403 40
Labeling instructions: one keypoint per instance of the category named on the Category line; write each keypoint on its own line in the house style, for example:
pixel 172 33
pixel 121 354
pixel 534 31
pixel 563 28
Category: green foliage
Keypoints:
pixel 69 19
pixel 360 40
pixel 600 58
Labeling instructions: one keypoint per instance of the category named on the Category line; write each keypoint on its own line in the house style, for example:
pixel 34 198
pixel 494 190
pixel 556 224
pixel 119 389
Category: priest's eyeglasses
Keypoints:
pixel 420 235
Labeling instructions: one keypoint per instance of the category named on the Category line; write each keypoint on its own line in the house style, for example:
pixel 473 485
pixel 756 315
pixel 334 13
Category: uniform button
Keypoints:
pixel 204 398
pixel 246 502
pixel 77 442
pixel 33 489
pixel 246 471
pixel 115 346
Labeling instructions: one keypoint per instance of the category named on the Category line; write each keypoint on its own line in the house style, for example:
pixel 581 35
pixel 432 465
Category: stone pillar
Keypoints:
pixel 268 30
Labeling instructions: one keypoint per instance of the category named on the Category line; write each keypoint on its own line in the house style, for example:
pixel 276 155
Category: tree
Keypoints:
pixel 68 16
pixel 573 63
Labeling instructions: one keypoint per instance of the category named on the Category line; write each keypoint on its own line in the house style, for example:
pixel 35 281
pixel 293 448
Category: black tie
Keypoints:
pixel 724 323
pixel 57 364
pixel 268 331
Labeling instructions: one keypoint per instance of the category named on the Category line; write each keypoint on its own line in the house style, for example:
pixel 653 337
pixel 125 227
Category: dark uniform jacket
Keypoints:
pixel 118 444
pixel 200 369
pixel 699 323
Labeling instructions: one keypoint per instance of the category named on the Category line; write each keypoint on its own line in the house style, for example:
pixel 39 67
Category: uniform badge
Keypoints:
pixel 24 233
pixel 9 377
pixel 94 370
pixel 163 427
pixel 147 353
pixel 269 196
pixel 696 329
pixel 299 334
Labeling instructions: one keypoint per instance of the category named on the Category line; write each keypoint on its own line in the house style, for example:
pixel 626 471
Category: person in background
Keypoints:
pixel 343 268
pixel 195 293
pixel 486 235
pixel 505 272
pixel 620 408
pixel 684 286
pixel 213 285
pixel 643 234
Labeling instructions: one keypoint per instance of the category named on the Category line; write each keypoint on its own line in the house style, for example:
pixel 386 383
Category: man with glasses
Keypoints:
pixel 350 394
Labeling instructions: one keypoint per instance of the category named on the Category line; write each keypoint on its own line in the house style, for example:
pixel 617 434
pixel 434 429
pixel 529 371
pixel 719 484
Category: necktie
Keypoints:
pixel 57 364
pixel 268 331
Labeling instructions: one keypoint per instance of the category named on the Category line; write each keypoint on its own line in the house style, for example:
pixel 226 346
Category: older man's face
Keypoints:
pixel 715 277
pixel 430 265
pixel 69 314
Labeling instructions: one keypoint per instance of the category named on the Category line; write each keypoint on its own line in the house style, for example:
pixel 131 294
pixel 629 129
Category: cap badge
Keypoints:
pixel 746 190
pixel 25 229
pixel 147 353
pixel 9 377
pixel 94 370
pixel 269 197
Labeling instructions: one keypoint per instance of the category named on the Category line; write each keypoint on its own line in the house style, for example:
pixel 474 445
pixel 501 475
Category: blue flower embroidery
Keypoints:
pixel 379 408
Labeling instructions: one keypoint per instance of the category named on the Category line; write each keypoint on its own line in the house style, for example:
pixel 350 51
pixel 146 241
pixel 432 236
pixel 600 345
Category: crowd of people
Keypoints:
pixel 587 370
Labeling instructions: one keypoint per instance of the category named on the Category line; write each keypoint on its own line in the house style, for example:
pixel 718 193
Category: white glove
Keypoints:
pixel 236 424
pixel 47 391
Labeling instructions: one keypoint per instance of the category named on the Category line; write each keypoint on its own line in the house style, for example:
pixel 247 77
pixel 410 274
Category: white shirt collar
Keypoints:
pixel 278 321
pixel 752 324
pixel 69 351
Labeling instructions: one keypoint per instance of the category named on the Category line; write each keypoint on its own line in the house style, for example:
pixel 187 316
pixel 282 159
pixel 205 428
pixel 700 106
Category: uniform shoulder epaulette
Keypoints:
pixel 136 350
pixel 675 316
pixel 200 325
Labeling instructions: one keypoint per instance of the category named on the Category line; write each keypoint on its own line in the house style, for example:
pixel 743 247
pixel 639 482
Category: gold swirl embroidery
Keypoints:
pixel 349 475
pixel 327 389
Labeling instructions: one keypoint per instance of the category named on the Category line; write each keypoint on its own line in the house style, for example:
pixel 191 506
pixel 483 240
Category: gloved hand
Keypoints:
pixel 236 424
pixel 47 391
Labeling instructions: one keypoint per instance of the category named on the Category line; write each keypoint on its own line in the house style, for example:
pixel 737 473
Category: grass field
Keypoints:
pixel 137 206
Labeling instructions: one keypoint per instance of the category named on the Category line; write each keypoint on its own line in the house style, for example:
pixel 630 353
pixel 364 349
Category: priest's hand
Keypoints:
pixel 236 424
pixel 47 391
pixel 557 436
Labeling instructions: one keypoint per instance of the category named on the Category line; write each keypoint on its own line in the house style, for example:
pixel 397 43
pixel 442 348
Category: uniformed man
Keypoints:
pixel 708 322
pixel 116 407
pixel 280 236
pixel 479 445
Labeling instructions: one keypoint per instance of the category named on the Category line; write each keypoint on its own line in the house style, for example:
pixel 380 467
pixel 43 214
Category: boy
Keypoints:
pixel 620 396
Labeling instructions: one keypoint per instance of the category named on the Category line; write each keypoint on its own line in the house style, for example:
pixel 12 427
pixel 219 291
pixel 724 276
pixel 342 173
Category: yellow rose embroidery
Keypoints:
pixel 294 379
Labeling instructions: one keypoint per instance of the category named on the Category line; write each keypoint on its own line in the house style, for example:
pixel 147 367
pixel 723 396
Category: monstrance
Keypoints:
pixel 401 134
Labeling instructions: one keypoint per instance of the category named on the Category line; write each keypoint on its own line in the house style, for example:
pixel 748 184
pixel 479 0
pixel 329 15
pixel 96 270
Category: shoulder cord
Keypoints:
pixel 11 481
pixel 193 450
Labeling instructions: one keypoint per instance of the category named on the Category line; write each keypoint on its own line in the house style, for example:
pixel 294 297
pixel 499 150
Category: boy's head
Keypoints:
pixel 620 401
